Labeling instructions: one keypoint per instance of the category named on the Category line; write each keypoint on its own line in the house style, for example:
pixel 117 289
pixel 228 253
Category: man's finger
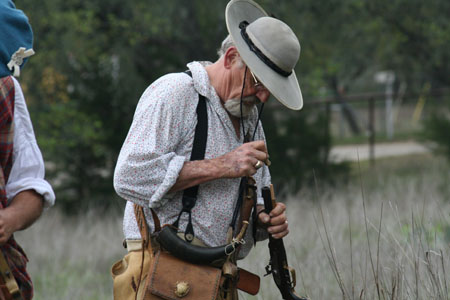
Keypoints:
pixel 259 145
pixel 275 229
pixel 261 155
pixel 281 234
pixel 278 220
pixel 264 218
pixel 278 209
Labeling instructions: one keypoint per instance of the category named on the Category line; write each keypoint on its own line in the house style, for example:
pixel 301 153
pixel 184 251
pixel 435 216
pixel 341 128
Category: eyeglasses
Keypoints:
pixel 257 84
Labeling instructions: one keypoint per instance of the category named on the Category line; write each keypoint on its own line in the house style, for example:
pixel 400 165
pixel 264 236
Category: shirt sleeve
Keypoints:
pixel 28 170
pixel 148 165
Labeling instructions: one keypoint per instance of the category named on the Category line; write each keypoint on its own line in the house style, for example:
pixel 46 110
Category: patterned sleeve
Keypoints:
pixel 148 165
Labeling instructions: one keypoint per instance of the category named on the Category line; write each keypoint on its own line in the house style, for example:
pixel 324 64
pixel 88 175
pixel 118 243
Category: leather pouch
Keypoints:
pixel 172 279
pixel 248 282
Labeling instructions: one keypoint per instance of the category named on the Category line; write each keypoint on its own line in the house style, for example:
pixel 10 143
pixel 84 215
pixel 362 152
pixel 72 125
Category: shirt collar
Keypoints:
pixel 204 88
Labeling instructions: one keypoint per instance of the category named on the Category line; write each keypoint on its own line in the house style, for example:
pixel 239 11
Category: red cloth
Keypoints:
pixel 14 254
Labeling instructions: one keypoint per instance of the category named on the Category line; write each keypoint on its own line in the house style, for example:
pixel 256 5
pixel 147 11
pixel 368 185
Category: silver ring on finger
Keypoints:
pixel 258 165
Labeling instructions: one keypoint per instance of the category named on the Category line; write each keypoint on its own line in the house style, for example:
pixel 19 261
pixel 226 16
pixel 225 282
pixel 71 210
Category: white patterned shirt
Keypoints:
pixel 158 143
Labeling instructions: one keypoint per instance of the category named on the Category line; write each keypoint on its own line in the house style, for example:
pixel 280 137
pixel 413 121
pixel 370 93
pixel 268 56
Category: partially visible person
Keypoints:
pixel 24 193
pixel 156 170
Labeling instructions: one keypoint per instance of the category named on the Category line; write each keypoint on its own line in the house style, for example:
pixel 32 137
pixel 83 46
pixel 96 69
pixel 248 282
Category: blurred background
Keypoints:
pixel 376 86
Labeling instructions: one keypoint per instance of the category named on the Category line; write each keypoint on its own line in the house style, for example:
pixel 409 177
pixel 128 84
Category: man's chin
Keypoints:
pixel 233 107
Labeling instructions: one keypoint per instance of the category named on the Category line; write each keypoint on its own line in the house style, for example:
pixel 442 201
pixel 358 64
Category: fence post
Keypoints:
pixel 327 129
pixel 372 131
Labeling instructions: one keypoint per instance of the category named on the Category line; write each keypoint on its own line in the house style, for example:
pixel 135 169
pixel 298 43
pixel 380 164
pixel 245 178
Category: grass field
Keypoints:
pixel 383 235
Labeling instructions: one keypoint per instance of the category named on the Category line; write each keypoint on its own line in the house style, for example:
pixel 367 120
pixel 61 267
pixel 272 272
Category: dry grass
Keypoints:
pixel 393 243
pixel 70 258
pixel 387 237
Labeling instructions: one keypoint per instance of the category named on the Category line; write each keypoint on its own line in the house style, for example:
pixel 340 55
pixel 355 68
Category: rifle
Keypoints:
pixel 283 275
pixel 8 285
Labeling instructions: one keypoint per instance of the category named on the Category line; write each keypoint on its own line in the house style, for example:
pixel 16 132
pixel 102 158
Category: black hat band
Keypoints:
pixel 243 26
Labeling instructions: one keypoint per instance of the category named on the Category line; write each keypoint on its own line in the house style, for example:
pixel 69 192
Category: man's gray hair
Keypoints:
pixel 226 43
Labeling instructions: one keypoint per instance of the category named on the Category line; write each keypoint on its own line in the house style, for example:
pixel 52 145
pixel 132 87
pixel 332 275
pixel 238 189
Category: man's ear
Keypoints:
pixel 231 56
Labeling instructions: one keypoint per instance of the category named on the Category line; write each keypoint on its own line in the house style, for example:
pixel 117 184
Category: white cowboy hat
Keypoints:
pixel 268 47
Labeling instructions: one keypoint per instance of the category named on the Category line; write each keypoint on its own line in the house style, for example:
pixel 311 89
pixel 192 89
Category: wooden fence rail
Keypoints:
pixel 370 99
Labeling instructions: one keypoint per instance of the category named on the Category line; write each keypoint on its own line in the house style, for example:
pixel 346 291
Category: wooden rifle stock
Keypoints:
pixel 283 275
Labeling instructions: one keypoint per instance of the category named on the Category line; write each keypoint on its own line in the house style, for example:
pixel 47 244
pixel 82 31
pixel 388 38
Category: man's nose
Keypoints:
pixel 263 95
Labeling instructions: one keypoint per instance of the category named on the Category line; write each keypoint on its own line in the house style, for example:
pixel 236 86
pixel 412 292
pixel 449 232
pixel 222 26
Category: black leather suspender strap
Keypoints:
pixel 198 153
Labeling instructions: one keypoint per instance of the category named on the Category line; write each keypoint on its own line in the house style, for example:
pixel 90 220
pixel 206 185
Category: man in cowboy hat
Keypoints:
pixel 256 60
pixel 23 191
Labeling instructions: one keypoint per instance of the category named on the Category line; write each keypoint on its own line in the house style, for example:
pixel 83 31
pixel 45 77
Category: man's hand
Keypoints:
pixel 241 161
pixel 237 163
pixel 24 209
pixel 7 226
pixel 276 222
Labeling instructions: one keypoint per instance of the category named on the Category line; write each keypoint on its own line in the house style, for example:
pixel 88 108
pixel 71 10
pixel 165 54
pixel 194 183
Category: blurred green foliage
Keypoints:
pixel 299 150
pixel 436 131
pixel 95 58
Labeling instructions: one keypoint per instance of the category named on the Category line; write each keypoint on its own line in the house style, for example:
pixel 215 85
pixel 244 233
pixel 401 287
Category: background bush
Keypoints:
pixel 436 132
pixel 95 58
